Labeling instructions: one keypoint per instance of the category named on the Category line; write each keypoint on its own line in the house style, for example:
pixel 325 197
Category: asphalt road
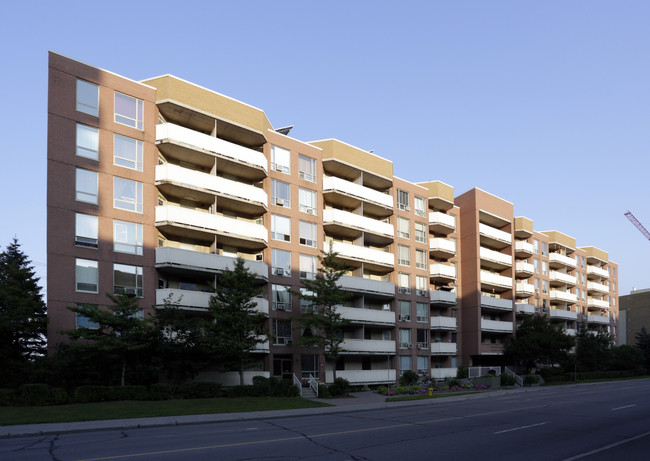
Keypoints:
pixel 604 421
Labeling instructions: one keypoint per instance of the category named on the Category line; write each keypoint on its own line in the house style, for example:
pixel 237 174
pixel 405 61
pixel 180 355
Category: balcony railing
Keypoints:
pixel 199 300
pixel 359 377
pixel 595 270
pixel 362 254
pixel 442 271
pixel 439 297
pixel 601 319
pixel 561 259
pixel 362 223
pixel 367 316
pixel 600 303
pixel 334 184
pixel 443 323
pixel 442 246
pixel 442 373
pixel 496 326
pixel 495 256
pixel 443 348
pixel 524 268
pixel 368 346
pixel 441 221
pixel 365 285
pixel 496 234
pixel 525 308
pixel 570 331
pixel 559 295
pixel 599 287
pixel 524 248
pixel 525 289
pixel 562 314
pixel 556 276
pixel 205 262
pixel 501 304
pixel 489 278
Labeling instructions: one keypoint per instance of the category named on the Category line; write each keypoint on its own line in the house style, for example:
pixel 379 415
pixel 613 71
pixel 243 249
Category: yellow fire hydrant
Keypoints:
pixel 430 391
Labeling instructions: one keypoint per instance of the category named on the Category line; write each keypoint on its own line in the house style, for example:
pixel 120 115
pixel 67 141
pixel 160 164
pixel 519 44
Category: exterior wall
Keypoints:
pixel 634 314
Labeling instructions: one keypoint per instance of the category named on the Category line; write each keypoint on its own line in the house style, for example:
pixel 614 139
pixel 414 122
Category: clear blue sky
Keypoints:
pixel 545 104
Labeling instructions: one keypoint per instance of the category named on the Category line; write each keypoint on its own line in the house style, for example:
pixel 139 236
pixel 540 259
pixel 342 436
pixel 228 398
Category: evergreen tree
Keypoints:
pixel 237 327
pixel 323 320
pixel 643 343
pixel 593 352
pixel 23 317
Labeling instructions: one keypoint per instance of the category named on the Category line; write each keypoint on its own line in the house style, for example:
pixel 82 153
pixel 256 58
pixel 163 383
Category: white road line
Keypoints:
pixel 607 447
pixel 626 406
pixel 522 427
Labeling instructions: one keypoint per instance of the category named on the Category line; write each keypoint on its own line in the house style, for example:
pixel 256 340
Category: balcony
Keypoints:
pixel 597 287
pixel 378 288
pixel 368 346
pixel 367 316
pixel 443 323
pixel 496 326
pixel 375 260
pixel 495 281
pixel 196 300
pixel 497 304
pixel 176 259
pixel 350 226
pixel 561 314
pixel 200 149
pixel 570 331
pixel 442 273
pixel 600 319
pixel 563 296
pixel 560 277
pixel 523 249
pixel 350 195
pixel 494 260
pixel 443 298
pixel 442 223
pixel 359 377
pixel 524 269
pixel 189 223
pixel 494 238
pixel 599 303
pixel 262 347
pixel 559 260
pixel 443 348
pixel 524 290
pixel 442 373
pixel 597 271
pixel 525 309
pixel 182 182
pixel 442 248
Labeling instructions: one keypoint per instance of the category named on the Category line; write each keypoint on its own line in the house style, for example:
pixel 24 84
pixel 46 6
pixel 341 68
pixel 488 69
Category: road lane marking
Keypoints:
pixel 607 447
pixel 626 406
pixel 315 436
pixel 522 427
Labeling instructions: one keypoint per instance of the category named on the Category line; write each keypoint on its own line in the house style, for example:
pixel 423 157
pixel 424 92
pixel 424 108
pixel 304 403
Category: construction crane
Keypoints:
pixel 637 224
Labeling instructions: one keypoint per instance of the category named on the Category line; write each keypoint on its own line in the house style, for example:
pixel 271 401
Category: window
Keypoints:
pixel 281 298
pixel 403 228
pixel 536 283
pixel 308 365
pixel 307 168
pixel 404 282
pixel 404 363
pixel 544 268
pixel 307 199
pixel 127 279
pixel 544 286
pixel 423 365
pixel 421 312
pixel 404 255
pixel 308 234
pixel 421 283
pixel 308 267
pixel 420 259
pixel 404 311
pixel 127 194
pixel 127 152
pixel 419 206
pixel 86 275
pixel 405 339
pixel 87 97
pixel 127 237
pixel 305 304
pixel 282 331
pixel 281 262
pixel 280 193
pixel 280 159
pixel 536 265
pixel 81 321
pixel 128 111
pixel 535 246
pixel 403 200
pixel 420 232
pixel 86 186
pixel 280 228
pixel 85 230
pixel 422 338
pixel 544 249
pixel 87 142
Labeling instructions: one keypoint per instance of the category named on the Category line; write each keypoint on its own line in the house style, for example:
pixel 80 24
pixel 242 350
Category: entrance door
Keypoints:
pixel 283 366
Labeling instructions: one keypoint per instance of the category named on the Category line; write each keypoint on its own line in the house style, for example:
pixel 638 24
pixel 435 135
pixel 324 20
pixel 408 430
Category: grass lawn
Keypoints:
pixel 145 409
pixel 403 398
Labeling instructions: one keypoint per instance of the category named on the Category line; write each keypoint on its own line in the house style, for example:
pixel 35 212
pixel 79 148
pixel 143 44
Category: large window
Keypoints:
pixel 127 237
pixel 281 262
pixel 422 338
pixel 405 339
pixel 403 200
pixel 86 230
pixel 307 168
pixel 281 298
pixel 421 284
pixel 404 255
pixel 308 234
pixel 404 311
pixel 127 194
pixel 82 321
pixel 280 193
pixel 87 142
pixel 404 282
pixel 129 111
pixel 86 275
pixel 420 232
pixel 308 267
pixel 423 365
pixel 127 152
pixel 280 228
pixel 420 259
pixel 87 97
pixel 86 186
pixel 307 200
pixel 419 206
pixel 403 228
pixel 405 363
pixel 282 331
pixel 280 159
pixel 305 304
pixel 127 279
pixel 421 312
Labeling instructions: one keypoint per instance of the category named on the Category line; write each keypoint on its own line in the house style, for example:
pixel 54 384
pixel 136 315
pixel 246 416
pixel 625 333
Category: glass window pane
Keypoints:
pixel 87 97
pixel 87 142
pixel 308 234
pixel 280 193
pixel 86 186
pixel 127 237
pixel 281 262
pixel 280 228
pixel 128 110
pixel 127 152
pixel 86 275
pixel 307 199
pixel 280 159
pixel 127 279
pixel 127 194
pixel 86 230
pixel 307 168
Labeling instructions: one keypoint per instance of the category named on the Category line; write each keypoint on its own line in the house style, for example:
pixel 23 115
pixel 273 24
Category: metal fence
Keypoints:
pixel 475 372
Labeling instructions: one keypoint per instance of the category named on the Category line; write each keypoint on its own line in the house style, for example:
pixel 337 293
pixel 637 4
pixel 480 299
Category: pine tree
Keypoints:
pixel 643 343
pixel 237 326
pixel 23 316
pixel 323 319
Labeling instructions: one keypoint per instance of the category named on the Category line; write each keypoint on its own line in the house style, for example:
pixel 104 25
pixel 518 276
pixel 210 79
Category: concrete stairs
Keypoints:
pixel 308 393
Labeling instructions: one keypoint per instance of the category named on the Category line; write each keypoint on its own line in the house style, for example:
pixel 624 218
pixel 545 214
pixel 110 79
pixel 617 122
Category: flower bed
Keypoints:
pixel 419 390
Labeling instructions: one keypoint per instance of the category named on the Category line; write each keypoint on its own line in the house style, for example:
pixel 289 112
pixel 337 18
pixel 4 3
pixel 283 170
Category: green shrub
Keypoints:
pixel 382 390
pixel 408 378
pixel 340 386
pixel 33 394
pixel 462 373
pixel 200 390
pixel 128 393
pixel 86 394
pixel 531 379
pixel 507 380
pixel 7 397
pixel 324 391
pixel 160 391
pixel 58 396
pixel 451 382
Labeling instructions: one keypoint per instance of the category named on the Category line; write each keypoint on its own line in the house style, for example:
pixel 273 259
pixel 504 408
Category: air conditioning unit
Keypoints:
pixel 402 290
pixel 259 257
pixel 311 211
pixel 301 175
pixel 278 167
pixel 279 202
pixel 422 292
pixel 407 208
pixel 279 271
pixel 410 346
pixel 303 274
pixel 422 346
pixel 405 318
pixel 289 342
pixel 282 307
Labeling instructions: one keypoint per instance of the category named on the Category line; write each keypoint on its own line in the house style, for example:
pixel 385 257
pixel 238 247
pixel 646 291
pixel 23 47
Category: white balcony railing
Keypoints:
pixel 561 259
pixel 595 270
pixel 442 270
pixel 211 223
pixel 360 253
pixel 213 184
pixel 525 288
pixel 200 141
pixel 443 348
pixel 371 316
pixel 361 284
pixel 334 184
pixel 494 303
pixel 443 297
pixel 443 323
pixel 602 319
pixel 496 326
pixel 522 267
pixel 368 346
pixel 345 218
pixel 205 262
pixel 440 244
pixel 436 217
pixel 363 376
pixel 197 299
pixel 525 308
pixel 600 303
pixel 570 331
pixel 556 276
pixel 442 373
pixel 524 247
pixel 563 314
pixel 496 234
pixel 599 287
pixel 559 295
pixel 493 279
pixel 495 256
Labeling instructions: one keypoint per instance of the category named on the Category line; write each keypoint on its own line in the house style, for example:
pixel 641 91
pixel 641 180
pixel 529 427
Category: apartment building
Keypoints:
pixel 163 183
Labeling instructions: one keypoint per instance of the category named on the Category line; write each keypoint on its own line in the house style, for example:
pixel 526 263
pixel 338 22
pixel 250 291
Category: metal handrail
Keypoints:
pixel 297 383
pixel 518 379
pixel 313 383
